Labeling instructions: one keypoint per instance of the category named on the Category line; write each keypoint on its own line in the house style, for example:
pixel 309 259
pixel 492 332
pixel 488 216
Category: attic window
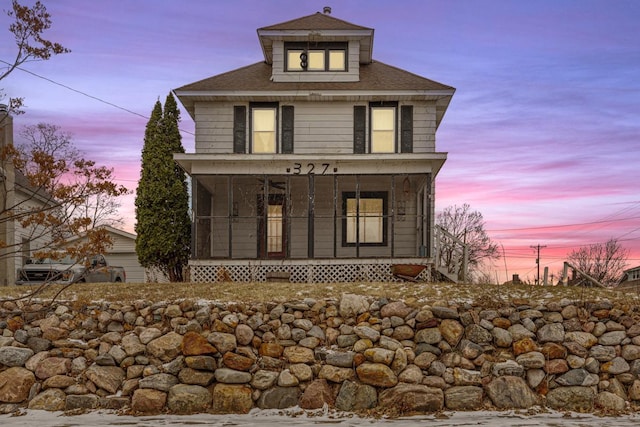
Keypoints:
pixel 319 57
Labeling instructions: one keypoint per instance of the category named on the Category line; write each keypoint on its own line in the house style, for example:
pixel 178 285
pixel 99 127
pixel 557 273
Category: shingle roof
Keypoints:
pixel 317 21
pixel 257 77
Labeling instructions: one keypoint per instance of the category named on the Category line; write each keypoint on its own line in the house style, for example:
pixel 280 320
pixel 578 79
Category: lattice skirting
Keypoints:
pixel 299 273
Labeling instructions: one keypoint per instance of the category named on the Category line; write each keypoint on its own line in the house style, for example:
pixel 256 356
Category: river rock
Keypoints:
pixel 15 384
pixel 412 398
pixel 354 396
pixel 166 347
pixel 52 399
pixel 14 356
pixel 279 398
pixel 188 399
pixel 148 401
pixel 510 392
pixel 572 398
pixel 316 395
pixel 463 398
pixel 376 374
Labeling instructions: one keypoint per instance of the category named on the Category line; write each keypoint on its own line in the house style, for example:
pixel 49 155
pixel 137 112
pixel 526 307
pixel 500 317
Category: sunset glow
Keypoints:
pixel 542 135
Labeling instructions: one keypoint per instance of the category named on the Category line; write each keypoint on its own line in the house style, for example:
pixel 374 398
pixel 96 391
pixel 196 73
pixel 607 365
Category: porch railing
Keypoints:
pixel 451 256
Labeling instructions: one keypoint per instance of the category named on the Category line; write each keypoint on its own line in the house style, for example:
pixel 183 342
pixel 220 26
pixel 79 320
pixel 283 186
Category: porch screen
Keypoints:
pixel 367 220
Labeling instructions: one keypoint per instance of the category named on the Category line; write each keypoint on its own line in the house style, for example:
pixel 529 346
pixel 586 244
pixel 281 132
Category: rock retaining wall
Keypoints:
pixel 353 354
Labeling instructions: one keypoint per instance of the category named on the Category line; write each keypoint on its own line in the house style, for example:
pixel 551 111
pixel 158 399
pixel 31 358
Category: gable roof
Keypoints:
pixel 316 21
pixel 319 26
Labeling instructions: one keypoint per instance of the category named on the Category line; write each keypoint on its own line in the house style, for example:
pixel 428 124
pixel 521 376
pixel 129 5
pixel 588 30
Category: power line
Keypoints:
pixel 111 104
pixel 564 225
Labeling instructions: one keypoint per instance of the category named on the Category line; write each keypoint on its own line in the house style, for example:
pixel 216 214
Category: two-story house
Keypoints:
pixel 317 164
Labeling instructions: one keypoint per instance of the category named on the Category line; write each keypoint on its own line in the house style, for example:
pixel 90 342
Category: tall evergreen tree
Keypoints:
pixel 163 226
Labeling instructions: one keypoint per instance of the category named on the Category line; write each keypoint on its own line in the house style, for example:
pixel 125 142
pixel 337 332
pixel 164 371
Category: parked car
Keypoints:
pixel 67 270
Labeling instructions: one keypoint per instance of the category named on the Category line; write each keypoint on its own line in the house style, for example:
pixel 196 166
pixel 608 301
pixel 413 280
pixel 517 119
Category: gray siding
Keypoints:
pixel 319 127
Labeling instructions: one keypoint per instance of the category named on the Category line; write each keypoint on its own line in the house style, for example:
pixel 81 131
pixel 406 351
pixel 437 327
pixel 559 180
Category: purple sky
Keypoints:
pixel 543 133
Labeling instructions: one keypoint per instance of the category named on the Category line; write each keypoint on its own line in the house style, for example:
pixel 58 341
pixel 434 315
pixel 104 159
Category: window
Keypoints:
pixel 263 128
pixel 319 57
pixel 383 129
pixel 364 219
pixel 376 128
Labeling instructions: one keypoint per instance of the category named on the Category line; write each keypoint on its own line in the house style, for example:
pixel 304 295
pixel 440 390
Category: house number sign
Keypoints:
pixel 311 169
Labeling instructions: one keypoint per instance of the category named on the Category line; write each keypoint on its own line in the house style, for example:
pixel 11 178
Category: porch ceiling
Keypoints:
pixel 298 164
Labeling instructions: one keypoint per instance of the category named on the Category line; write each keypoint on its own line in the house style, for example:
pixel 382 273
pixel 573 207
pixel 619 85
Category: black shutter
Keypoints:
pixel 287 129
pixel 406 129
pixel 239 129
pixel 359 129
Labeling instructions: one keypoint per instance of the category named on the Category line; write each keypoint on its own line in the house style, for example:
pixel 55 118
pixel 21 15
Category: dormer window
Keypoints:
pixel 319 57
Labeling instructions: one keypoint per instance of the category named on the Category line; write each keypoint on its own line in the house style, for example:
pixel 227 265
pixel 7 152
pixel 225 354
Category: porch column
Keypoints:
pixel 335 217
pixel 392 216
pixel 311 218
pixel 230 217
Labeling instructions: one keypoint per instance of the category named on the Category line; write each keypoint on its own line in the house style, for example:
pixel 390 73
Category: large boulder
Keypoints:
pixel 148 401
pixel 573 398
pixel 188 399
pixel 510 392
pixel 231 399
pixel 412 398
pixel 316 395
pixel 15 384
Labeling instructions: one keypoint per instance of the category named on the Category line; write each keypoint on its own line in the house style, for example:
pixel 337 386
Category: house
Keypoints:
pixel 316 164
pixel 7 179
pixel 630 278
pixel 16 197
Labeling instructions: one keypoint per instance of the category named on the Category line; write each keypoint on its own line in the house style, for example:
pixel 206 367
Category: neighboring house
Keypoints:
pixel 122 253
pixel 317 164
pixel 630 277
pixel 16 195
pixel 7 179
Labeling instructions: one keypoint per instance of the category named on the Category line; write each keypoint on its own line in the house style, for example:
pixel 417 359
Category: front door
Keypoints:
pixel 272 230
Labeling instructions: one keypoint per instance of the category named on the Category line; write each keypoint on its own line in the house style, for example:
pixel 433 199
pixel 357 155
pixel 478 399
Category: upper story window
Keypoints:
pixel 319 57
pixel 263 129
pixel 383 129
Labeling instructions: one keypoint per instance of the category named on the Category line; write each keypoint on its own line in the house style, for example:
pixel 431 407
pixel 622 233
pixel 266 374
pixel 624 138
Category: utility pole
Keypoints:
pixel 537 248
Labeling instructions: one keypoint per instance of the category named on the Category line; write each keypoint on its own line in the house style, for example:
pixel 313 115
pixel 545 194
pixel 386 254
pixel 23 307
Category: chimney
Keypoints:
pixel 326 10
pixel 516 278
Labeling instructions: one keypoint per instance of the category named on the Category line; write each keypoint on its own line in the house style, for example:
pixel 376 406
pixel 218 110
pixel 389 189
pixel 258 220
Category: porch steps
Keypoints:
pixel 444 274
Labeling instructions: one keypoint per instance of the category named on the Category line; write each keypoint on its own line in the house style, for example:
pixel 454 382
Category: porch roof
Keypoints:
pixel 306 164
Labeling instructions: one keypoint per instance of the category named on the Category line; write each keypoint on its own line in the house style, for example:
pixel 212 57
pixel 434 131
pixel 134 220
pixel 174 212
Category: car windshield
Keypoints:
pixel 67 260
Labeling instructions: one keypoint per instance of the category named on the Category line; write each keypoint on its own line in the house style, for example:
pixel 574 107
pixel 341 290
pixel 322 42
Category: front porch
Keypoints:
pixel 349 218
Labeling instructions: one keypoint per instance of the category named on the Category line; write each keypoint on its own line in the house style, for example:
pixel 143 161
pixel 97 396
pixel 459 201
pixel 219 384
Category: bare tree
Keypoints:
pixel 53 187
pixel 467 226
pixel 28 26
pixel 604 262
pixel 98 205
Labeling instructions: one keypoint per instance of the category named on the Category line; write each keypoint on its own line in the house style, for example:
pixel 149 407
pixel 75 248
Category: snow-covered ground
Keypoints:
pixel 273 419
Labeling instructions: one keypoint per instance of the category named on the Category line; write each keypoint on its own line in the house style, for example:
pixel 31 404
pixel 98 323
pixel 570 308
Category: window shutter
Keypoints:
pixel 287 129
pixel 406 129
pixel 359 128
pixel 239 129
